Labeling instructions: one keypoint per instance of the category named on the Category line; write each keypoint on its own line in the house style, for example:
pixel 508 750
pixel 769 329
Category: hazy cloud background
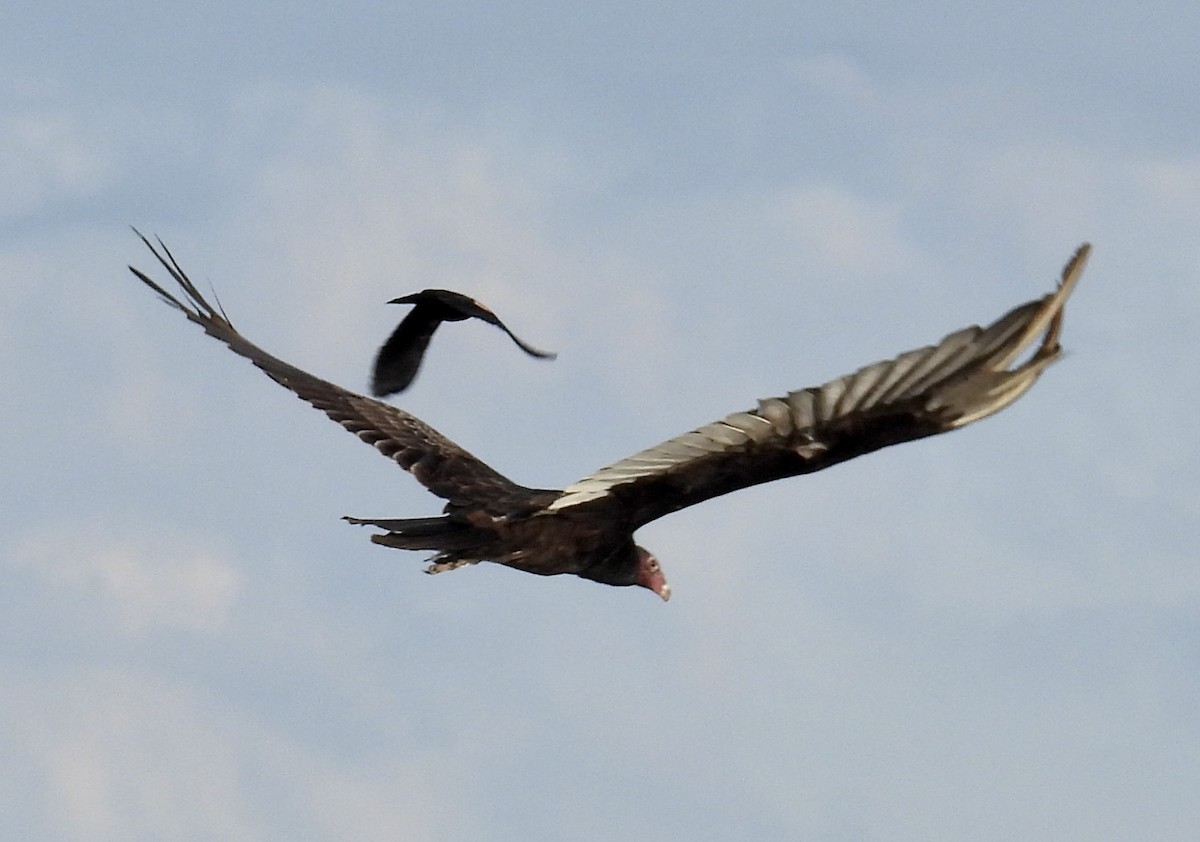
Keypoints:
pixel 990 635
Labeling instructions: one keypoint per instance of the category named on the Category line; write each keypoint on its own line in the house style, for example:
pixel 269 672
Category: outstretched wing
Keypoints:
pixel 965 377
pixel 400 357
pixel 437 463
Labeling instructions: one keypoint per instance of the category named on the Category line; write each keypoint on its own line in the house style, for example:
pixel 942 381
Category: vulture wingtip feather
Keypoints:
pixel 168 262
pixel 1048 319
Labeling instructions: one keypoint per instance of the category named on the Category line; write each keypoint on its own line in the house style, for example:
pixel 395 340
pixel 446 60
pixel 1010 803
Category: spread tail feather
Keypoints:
pixel 457 543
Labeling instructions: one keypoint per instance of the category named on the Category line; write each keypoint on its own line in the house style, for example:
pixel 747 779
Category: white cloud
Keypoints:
pixel 1173 183
pixel 845 235
pixel 1056 190
pixel 123 755
pixel 839 77
pixel 138 588
pixel 47 155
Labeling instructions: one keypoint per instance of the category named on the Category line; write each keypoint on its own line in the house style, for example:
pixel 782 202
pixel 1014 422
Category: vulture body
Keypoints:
pixel 587 529
pixel 398 360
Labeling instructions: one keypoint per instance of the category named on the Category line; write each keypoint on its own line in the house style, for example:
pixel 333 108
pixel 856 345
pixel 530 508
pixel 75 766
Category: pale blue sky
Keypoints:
pixel 988 635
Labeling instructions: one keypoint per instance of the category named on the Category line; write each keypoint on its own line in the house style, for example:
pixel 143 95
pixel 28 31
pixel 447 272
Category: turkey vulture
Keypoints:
pixel 398 360
pixel 587 529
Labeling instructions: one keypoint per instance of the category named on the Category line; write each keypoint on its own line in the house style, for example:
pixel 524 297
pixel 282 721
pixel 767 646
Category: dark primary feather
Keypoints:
pixel 399 359
pixel 437 463
pixel 587 529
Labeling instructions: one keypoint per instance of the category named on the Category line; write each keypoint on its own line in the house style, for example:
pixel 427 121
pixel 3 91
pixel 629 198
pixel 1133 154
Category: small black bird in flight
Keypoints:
pixel 400 357
pixel 587 529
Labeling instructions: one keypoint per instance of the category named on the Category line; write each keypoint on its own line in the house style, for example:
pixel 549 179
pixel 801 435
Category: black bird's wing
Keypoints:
pixel 400 357
pixel 436 462
pixel 965 377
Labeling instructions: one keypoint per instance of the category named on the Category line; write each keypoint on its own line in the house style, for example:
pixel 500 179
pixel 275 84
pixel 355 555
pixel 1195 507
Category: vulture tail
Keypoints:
pixel 457 543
